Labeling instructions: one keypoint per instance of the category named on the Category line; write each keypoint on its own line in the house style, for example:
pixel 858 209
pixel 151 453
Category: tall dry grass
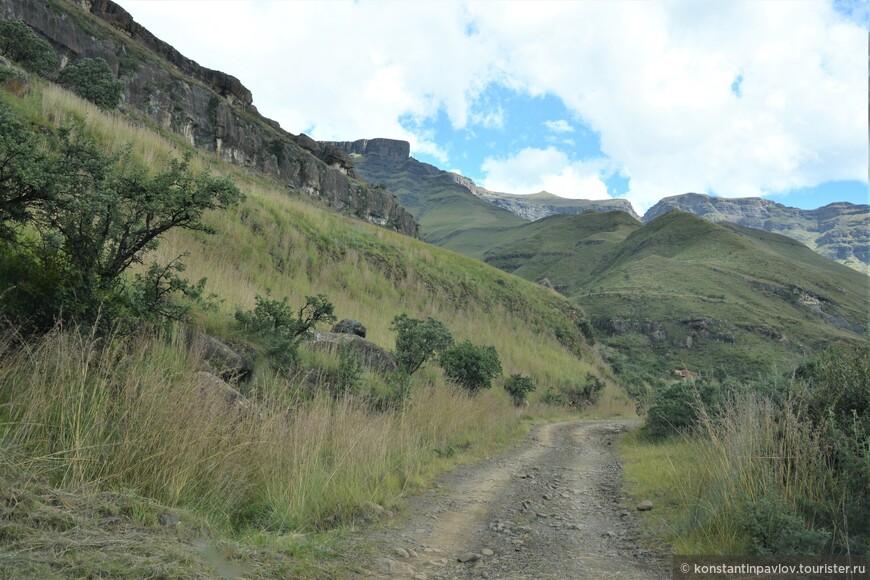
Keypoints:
pixel 128 413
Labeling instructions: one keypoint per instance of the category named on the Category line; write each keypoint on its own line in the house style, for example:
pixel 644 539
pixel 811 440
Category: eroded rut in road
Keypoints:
pixel 547 509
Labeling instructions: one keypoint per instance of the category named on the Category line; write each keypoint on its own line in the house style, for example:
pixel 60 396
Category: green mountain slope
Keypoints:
pixel 684 292
pixel 839 231
pixel 564 249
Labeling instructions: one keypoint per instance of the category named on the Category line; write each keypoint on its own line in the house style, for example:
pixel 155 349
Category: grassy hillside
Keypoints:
pixel 838 230
pixel 684 292
pixel 449 215
pixel 121 430
pixel 562 248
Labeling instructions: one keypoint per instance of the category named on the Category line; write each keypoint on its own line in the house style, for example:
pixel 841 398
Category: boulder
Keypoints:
pixel 211 386
pixel 371 355
pixel 350 326
pixel 221 359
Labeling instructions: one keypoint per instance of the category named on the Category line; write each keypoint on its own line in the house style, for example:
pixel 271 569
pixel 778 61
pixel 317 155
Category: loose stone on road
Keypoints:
pixel 549 508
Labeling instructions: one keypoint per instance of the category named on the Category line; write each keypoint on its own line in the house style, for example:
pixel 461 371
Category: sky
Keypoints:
pixel 632 99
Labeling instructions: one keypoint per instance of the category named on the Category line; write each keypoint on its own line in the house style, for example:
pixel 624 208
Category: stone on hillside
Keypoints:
pixel 222 360
pixel 469 557
pixel 645 506
pixel 212 386
pixel 350 326
pixel 371 355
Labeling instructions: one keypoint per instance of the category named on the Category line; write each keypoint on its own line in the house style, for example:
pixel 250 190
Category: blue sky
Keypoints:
pixel 589 99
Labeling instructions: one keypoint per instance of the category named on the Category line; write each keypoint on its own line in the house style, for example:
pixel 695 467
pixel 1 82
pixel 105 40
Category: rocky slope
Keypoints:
pixel 540 205
pixel 839 231
pixel 210 109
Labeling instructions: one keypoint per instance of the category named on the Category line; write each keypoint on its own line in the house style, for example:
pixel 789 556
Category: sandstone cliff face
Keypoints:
pixel 540 205
pixel 212 110
pixel 839 231
pixel 534 210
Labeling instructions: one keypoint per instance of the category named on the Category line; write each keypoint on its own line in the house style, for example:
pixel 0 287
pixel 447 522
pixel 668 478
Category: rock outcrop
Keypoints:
pixel 211 109
pixel 350 326
pixel 371 355
pixel 839 231
pixel 543 204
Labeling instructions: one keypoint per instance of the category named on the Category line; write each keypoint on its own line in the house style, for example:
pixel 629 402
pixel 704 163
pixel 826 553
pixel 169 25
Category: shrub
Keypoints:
pixel 92 79
pixel 350 368
pixel 518 386
pixel 772 527
pixel 94 215
pixel 20 43
pixel 417 340
pixel 281 327
pixel 472 367
pixel 674 408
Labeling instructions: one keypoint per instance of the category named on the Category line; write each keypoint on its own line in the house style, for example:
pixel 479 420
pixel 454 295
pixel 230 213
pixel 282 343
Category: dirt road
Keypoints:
pixel 550 508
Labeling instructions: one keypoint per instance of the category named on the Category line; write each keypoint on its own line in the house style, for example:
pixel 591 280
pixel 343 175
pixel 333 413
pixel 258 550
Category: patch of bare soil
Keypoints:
pixel 551 508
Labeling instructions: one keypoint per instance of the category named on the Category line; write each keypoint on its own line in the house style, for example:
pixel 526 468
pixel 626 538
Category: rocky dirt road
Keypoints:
pixel 551 508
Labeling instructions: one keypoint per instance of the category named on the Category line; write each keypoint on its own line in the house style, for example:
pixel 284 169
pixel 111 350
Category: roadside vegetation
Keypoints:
pixel 109 430
pixel 778 466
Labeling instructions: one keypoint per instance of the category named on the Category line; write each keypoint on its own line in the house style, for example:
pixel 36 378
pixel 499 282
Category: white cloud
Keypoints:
pixel 655 83
pixel 560 126
pixel 533 170
pixel 653 80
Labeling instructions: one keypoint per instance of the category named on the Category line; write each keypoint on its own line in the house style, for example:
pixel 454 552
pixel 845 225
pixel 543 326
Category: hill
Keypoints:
pixel 839 231
pixel 450 215
pixel 452 210
pixel 680 291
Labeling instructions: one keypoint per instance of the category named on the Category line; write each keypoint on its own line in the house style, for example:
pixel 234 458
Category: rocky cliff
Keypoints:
pixel 540 205
pixel 210 109
pixel 529 207
pixel 839 231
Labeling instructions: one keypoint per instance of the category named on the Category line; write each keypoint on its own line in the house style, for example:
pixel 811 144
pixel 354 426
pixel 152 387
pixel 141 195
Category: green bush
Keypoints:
pixel 20 43
pixel 350 369
pixel 518 386
pixel 92 79
pixel 773 528
pixel 417 340
pixel 472 367
pixel 77 219
pixel 673 409
pixel 282 328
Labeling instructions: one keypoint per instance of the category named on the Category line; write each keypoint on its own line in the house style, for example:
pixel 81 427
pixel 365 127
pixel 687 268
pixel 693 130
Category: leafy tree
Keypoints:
pixel 282 327
pixel 471 366
pixel 20 43
pixel 27 174
pixel 93 215
pixel 92 79
pixel 518 386
pixel 417 340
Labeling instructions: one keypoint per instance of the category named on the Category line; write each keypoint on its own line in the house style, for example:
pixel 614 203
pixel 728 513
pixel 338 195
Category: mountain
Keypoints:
pixel 681 291
pixel 212 110
pixel 450 215
pixel 839 231
pixel 453 211
pixel 542 204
